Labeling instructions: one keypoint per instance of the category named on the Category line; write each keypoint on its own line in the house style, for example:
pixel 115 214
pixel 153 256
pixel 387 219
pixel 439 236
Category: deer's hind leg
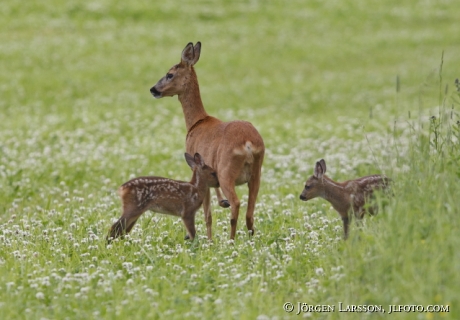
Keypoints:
pixel 253 186
pixel 126 222
pixel 230 193
pixel 227 178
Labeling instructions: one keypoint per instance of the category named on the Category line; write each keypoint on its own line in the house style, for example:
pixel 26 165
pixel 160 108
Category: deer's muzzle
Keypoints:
pixel 157 94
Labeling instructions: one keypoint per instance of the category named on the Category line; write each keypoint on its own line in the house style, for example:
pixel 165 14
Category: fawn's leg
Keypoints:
pixel 207 213
pixel 126 222
pixel 189 219
pixel 189 222
pixel 207 217
pixel 346 224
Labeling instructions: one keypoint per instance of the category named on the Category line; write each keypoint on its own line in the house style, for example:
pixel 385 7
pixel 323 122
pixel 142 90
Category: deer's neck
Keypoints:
pixel 335 193
pixel 192 105
pixel 198 184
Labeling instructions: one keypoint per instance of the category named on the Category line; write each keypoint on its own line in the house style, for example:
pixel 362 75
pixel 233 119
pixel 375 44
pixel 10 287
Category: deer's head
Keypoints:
pixel 178 77
pixel 202 170
pixel 314 187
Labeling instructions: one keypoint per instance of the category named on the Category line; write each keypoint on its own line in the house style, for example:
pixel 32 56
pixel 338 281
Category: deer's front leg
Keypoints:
pixel 189 222
pixel 346 224
pixel 224 203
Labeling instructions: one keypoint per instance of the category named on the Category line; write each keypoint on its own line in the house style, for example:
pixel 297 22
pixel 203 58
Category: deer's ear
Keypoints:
pixel 199 160
pixel 196 53
pixel 191 54
pixel 190 160
pixel 318 170
pixel 187 54
pixel 323 165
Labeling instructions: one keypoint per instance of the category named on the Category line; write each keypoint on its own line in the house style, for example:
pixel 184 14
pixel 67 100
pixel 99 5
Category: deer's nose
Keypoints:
pixel 302 197
pixel 155 92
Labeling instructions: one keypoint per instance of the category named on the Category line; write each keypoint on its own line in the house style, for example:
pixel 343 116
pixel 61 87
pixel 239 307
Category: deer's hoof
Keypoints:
pixel 224 203
pixel 187 237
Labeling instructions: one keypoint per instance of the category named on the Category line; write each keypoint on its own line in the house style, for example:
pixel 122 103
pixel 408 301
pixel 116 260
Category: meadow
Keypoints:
pixel 370 86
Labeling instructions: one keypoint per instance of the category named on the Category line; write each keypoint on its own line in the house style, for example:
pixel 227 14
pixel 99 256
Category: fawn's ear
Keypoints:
pixel 190 160
pixel 199 160
pixel 319 169
pixel 323 165
pixel 191 54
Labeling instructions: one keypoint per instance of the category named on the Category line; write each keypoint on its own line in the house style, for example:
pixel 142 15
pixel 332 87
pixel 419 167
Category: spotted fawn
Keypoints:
pixel 162 195
pixel 347 198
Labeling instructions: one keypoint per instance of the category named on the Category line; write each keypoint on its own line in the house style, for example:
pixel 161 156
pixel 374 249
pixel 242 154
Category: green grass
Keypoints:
pixel 352 82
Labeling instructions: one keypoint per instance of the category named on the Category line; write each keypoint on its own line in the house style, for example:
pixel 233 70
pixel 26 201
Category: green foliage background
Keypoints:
pixel 353 82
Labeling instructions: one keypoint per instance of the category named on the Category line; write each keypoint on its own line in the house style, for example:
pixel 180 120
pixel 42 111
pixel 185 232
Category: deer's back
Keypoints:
pixel 361 189
pixel 373 182
pixel 215 140
pixel 157 194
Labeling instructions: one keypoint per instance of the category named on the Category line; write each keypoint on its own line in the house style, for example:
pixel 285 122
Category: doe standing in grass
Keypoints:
pixel 234 149
pixel 177 198
pixel 347 197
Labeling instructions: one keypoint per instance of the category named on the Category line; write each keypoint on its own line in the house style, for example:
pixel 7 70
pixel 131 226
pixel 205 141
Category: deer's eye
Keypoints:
pixel 307 187
pixel 169 76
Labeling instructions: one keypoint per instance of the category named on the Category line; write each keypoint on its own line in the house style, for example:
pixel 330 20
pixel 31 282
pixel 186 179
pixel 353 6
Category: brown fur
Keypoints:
pixel 347 197
pixel 235 149
pixel 178 198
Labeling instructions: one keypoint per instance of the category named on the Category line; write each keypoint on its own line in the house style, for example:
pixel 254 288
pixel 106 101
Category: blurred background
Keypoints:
pixel 348 81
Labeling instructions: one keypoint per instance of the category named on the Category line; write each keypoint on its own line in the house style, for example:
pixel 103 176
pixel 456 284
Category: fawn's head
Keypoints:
pixel 203 171
pixel 314 187
pixel 175 81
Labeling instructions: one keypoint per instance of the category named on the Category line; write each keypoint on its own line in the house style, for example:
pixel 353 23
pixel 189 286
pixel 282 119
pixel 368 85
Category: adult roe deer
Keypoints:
pixel 347 197
pixel 177 198
pixel 234 149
